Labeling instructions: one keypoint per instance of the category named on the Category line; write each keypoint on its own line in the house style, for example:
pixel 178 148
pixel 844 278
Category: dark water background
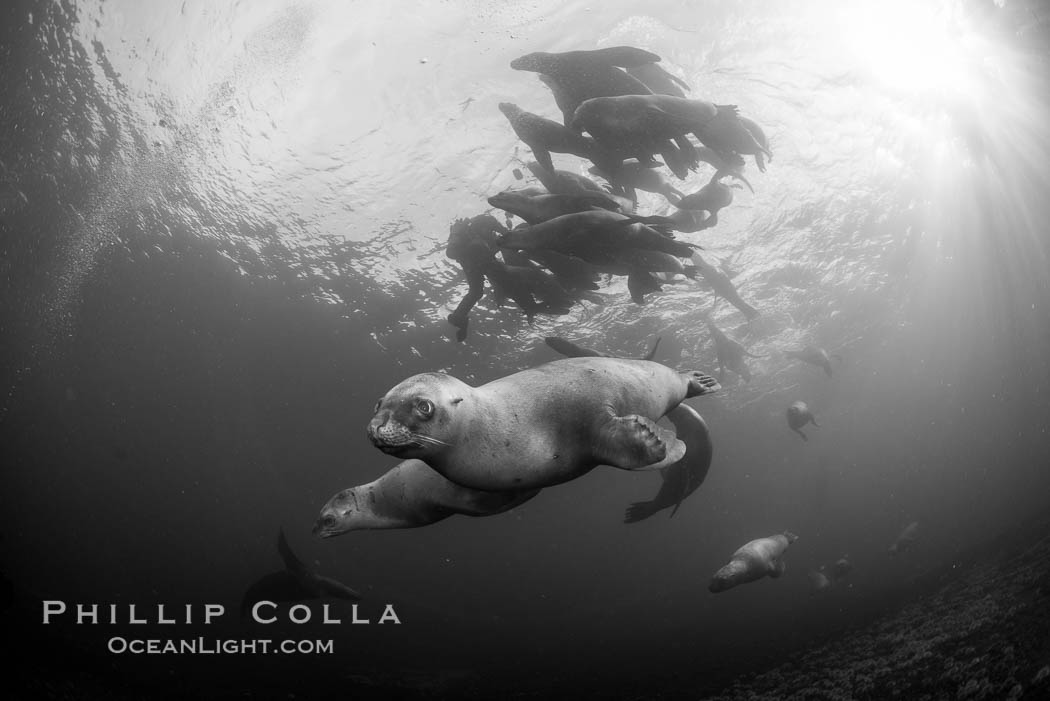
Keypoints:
pixel 222 239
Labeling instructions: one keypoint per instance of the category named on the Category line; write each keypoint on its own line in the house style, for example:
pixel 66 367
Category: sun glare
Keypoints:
pixel 915 47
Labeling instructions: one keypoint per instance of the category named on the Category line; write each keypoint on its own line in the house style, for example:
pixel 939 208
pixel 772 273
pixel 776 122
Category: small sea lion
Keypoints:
pixel 761 139
pixel 730 353
pixel 818 581
pixel 759 558
pixel 575 76
pixel 524 284
pixel 410 495
pixel 538 427
pixel 814 356
pixel 659 80
pixel 841 568
pixel 722 285
pixel 906 539
pixel 712 197
pixel 798 415
pixel 294 583
pixel 544 136
pixel 537 209
pixel 472 243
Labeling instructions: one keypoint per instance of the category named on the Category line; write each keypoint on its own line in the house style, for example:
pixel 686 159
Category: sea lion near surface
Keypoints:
pixel 564 182
pixel 575 76
pixel 712 197
pixel 295 582
pixel 571 350
pixel 538 427
pixel 537 209
pixel 722 285
pixel 588 234
pixel 798 415
pixel 814 356
pixel 759 558
pixel 730 353
pixel 730 136
pixel 409 495
pixel 544 136
pixel 473 244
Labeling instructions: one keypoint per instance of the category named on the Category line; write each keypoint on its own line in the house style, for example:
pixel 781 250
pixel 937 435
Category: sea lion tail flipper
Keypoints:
pixel 639 511
pixel 652 351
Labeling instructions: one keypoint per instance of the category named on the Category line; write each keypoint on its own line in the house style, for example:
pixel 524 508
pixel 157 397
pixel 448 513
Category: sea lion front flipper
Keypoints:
pixel 800 433
pixel 634 442
pixel 778 568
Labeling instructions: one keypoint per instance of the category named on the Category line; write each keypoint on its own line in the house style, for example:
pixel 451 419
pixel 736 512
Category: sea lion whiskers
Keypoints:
pixel 428 440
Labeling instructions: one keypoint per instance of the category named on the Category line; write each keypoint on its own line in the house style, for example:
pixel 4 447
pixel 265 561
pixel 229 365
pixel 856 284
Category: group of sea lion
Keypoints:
pixel 620 109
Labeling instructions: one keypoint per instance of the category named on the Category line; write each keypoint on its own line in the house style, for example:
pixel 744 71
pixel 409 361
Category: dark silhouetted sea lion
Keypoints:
pixel 722 285
pixel 730 353
pixel 538 427
pixel 729 136
pixel 591 235
pixel 712 197
pixel 798 415
pixel 537 209
pixel 575 76
pixel 633 175
pixel 571 350
pixel 410 495
pixel 759 558
pixel 294 583
pixel 544 136
pixel 472 244
pixel 564 182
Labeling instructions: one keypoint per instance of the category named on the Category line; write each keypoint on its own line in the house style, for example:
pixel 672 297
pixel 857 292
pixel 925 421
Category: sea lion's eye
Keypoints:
pixel 425 407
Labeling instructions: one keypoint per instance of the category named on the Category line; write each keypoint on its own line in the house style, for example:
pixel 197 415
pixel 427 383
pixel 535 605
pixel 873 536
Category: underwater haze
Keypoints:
pixel 222 238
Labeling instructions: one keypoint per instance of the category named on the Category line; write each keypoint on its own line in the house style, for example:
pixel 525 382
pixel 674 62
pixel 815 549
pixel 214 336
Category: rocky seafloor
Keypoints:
pixel 982 633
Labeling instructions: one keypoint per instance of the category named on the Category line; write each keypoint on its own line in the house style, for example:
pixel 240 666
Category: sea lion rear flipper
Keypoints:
pixel 639 511
pixel 634 442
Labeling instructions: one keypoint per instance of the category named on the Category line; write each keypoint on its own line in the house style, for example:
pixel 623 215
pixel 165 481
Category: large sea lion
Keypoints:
pixel 410 495
pixel 575 76
pixel 722 285
pixel 544 136
pixel 814 356
pixel 295 582
pixel 759 558
pixel 538 427
pixel 798 415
